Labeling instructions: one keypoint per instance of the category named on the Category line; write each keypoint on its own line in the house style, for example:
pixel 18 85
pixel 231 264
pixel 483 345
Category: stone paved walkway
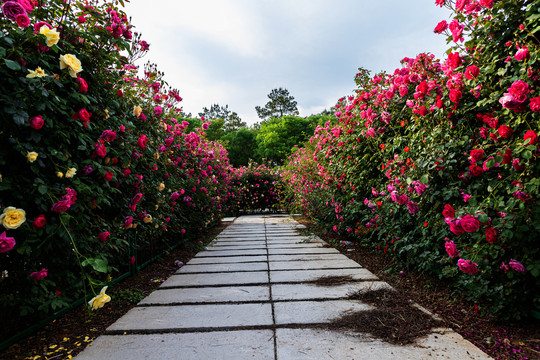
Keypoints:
pixel 247 297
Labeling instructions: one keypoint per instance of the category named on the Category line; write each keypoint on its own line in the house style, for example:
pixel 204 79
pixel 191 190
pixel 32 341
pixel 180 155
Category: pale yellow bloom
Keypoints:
pixel 148 219
pixel 72 63
pixel 71 173
pixel 12 218
pixel 36 73
pixel 99 300
pixel 31 156
pixel 60 174
pixel 51 34
pixel 137 110
pixel 106 114
pixel 161 186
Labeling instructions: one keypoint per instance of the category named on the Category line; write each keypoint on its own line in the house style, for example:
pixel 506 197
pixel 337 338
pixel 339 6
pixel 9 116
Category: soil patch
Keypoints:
pixel 332 280
pixel 70 334
pixel 519 340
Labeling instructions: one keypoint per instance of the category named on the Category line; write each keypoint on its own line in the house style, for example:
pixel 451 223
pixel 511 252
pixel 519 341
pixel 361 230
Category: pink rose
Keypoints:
pixel 108 175
pixel 522 54
pixel 128 221
pixel 205 126
pixel 455 228
pixel 11 9
pixel 532 136
pixel 38 275
pixel 535 104
pixel 455 95
pixel 6 243
pixel 467 266
pixel 108 135
pixel 175 195
pixel 22 20
pixel 457 29
pixel 508 101
pixel 143 140
pixel 83 85
pixel 36 122
pixel 469 223
pixel 491 235
pixel 61 206
pixel 519 90
pixel 443 25
pixel 158 110
pixel 517 266
pixel 448 211
pixel 451 249
pixel 100 150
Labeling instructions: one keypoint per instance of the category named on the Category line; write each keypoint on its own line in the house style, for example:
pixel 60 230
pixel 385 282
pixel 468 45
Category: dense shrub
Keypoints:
pixel 89 152
pixel 437 163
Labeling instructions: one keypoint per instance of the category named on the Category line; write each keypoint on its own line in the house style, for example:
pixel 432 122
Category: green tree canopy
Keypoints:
pixel 281 103
pixel 231 121
pixel 241 145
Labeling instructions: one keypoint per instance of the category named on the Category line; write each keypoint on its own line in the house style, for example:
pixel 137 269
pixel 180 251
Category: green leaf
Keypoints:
pixel 99 265
pixel 483 218
pixel 2 52
pixel 42 189
pixel 424 179
pixel 499 159
pixel 527 155
pixel 20 117
pixel 490 163
pixel 13 65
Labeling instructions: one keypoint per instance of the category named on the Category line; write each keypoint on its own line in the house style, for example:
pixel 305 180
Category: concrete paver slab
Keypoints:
pixel 297 245
pixel 307 257
pixel 226 345
pixel 231 252
pixel 210 294
pixel 310 291
pixel 313 250
pixel 209 279
pixel 222 268
pixel 194 316
pixel 248 246
pixel 310 275
pixel 315 312
pixel 313 264
pixel 226 260
pixel 308 344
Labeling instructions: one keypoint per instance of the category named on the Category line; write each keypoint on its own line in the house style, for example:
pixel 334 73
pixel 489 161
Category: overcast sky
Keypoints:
pixel 234 52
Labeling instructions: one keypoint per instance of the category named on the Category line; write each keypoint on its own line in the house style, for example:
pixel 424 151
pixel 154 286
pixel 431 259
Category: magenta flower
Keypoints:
pixel 6 243
pixel 457 30
pixel 517 266
pixel 11 9
pixel 38 275
pixel 451 249
pixel 467 266
pixel 522 54
pixel 104 236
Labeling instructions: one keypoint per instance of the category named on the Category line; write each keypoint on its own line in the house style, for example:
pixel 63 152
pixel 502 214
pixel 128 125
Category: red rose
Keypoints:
pixel 505 131
pixel 104 236
pixel 83 85
pixel 100 150
pixel 443 25
pixel 476 170
pixel 477 154
pixel 448 211
pixel 39 222
pixel 507 157
pixel 472 72
pixel 455 229
pixel 469 223
pixel 82 19
pixel 455 95
pixel 532 136
pixel 519 90
pixel 120 92
pixel 84 115
pixel 143 140
pixel 36 122
pixel 108 175
pixel 491 235
pixel 22 20
pixel 535 104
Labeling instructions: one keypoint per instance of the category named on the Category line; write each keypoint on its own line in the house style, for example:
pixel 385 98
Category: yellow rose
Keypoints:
pixel 36 73
pixel 71 172
pixel 51 34
pixel 60 174
pixel 31 156
pixel 161 186
pixel 99 300
pixel 72 63
pixel 12 218
pixel 137 110
pixel 148 219
pixel 106 114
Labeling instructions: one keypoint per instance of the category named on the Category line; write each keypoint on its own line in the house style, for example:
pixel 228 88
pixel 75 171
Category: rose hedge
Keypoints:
pixel 437 163
pixel 90 151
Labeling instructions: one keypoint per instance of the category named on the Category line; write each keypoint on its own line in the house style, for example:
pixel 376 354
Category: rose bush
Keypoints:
pixel 80 169
pixel 437 163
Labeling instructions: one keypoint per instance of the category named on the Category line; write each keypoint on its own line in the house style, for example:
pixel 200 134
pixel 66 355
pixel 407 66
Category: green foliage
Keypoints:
pixel 281 103
pixel 241 146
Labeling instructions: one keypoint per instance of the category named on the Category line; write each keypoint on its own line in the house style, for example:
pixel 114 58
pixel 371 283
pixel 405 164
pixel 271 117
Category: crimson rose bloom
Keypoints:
pixel 491 235
pixel 100 150
pixel 39 222
pixel 477 154
pixel 517 266
pixel 451 249
pixel 455 229
pixel 6 243
pixel 472 72
pixel 61 206
pixel 505 131
pixel 535 104
pixel 522 54
pixel 519 90
pixel 143 140
pixel 22 20
pixel 38 275
pixel 476 170
pixel 104 236
pixel 469 223
pixel 448 211
pixel 443 25
pixel 36 122
pixel 455 95
pixel 532 136
pixel 108 175
pixel 83 85
pixel 467 266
